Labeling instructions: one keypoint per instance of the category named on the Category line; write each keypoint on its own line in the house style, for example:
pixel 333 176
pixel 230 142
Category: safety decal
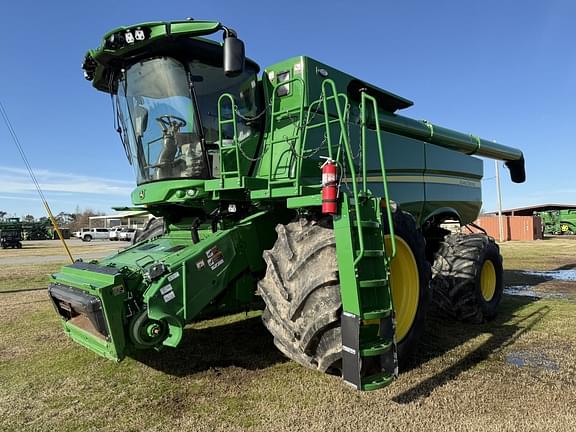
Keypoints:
pixel 165 289
pixel 169 296
pixel 215 257
pixel 173 276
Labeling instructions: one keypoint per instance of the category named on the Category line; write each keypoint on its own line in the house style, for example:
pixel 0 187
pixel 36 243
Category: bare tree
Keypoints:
pixel 82 219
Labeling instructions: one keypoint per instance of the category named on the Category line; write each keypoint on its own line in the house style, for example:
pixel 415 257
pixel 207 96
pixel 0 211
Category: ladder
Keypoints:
pixel 369 352
pixel 228 172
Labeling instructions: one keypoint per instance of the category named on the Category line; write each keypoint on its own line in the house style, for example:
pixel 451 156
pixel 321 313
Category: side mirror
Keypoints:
pixel 233 55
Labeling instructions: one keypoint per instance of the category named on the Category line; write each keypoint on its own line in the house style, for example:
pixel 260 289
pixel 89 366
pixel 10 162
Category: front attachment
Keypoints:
pixel 92 302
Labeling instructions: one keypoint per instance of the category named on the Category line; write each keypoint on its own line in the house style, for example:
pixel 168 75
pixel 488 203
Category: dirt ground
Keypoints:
pixel 516 373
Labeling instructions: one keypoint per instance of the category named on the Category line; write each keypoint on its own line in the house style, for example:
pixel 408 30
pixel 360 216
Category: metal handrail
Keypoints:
pixel 364 98
pixel 222 122
pixel 329 84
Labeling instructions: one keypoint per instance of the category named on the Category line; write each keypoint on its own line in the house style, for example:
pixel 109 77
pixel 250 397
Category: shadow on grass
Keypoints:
pixel 443 335
pixel 246 344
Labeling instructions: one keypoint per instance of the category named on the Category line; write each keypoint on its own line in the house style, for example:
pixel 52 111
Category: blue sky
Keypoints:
pixel 502 70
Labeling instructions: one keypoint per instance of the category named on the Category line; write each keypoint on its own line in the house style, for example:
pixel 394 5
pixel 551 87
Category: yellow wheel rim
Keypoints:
pixel 405 283
pixel 488 280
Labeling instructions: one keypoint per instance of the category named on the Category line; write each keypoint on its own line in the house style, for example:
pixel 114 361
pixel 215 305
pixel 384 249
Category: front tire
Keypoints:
pixel 301 291
pixel 302 294
pixel 87 238
pixel 468 277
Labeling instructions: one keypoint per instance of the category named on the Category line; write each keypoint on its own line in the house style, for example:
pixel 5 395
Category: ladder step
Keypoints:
pixel 375 382
pixel 226 121
pixel 371 283
pixel 376 314
pixel 367 224
pixel 371 253
pixel 282 181
pixel 375 348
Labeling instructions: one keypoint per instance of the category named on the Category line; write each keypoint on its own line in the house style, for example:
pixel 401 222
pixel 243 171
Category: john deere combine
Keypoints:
pixel 299 189
pixel 558 221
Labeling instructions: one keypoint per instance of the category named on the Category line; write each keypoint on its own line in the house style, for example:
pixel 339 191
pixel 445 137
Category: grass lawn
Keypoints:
pixel 44 248
pixel 517 373
pixel 26 276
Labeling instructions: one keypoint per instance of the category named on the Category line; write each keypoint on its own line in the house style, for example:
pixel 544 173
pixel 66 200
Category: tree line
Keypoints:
pixel 73 221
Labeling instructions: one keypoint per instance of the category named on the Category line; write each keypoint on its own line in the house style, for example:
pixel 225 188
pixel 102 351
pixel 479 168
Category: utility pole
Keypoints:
pixel 500 226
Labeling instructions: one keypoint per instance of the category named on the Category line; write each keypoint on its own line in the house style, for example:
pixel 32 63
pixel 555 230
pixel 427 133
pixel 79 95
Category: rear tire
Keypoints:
pixel 468 282
pixel 301 291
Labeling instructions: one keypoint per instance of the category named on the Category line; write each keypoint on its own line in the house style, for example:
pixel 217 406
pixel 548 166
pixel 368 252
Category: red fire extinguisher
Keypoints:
pixel 329 187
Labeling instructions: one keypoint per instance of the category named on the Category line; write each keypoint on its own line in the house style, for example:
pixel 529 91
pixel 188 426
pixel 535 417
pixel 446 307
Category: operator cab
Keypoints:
pixel 167 109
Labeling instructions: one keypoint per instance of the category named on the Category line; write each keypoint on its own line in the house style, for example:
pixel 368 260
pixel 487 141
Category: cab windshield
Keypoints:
pixel 168 113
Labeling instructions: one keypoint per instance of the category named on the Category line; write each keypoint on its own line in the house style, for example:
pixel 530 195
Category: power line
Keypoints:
pixel 33 177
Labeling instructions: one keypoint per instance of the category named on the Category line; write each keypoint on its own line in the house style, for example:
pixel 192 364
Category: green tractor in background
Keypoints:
pixel 558 221
pixel 37 230
pixel 11 233
pixel 298 190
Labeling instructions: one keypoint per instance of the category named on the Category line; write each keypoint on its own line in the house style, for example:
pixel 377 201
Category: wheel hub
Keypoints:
pixel 405 284
pixel 488 280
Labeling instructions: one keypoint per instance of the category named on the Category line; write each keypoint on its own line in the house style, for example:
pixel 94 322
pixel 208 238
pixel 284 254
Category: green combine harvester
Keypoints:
pixel 298 190
pixel 558 221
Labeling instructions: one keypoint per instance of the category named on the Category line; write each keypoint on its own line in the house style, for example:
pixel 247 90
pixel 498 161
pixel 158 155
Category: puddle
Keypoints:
pixel 561 275
pixel 532 359
pixel 527 291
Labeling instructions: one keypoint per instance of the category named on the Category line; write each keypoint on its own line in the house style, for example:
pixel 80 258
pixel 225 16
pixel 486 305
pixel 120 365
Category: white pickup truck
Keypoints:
pixel 127 234
pixel 89 234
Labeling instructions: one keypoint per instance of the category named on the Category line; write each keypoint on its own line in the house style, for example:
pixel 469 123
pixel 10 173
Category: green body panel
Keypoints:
pixel 218 224
pixel 169 192
pixel 558 221
pixel 423 177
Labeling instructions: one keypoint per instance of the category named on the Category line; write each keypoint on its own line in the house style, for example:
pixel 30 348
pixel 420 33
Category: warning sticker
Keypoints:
pixel 173 276
pixel 169 296
pixel 215 262
pixel 212 251
pixel 215 257
pixel 200 264
pixel 165 289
